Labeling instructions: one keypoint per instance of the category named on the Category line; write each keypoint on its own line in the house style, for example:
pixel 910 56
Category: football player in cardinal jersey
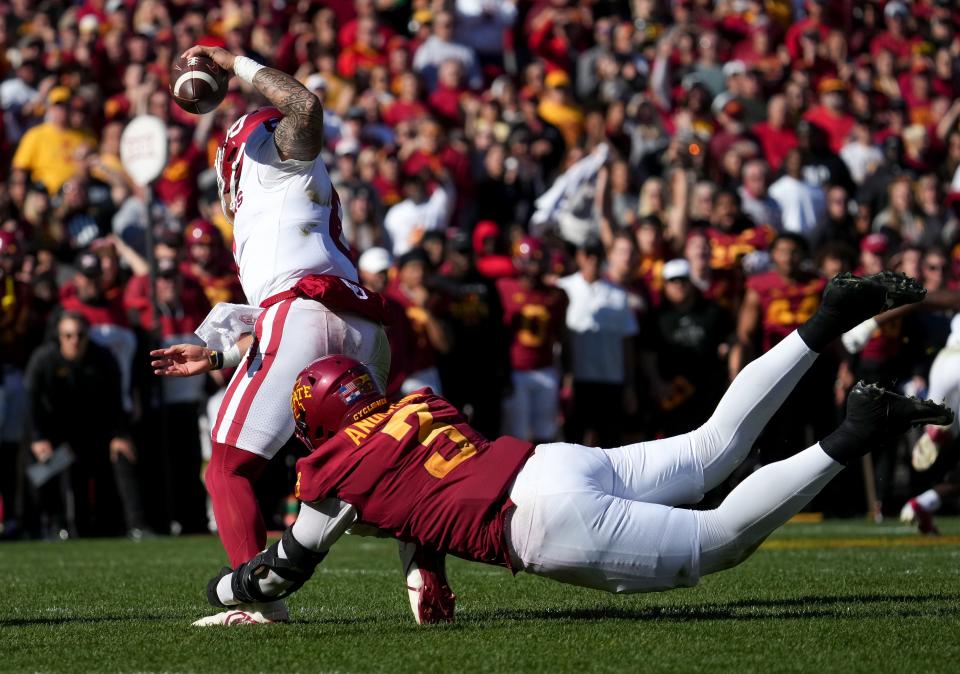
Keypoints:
pixel 599 518
pixel 295 264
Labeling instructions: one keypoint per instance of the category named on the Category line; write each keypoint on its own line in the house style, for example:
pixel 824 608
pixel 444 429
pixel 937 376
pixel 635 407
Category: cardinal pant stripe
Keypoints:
pixel 271 336
pixel 246 382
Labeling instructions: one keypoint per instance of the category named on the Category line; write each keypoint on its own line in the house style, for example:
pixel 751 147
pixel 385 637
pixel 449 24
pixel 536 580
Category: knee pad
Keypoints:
pixel 296 569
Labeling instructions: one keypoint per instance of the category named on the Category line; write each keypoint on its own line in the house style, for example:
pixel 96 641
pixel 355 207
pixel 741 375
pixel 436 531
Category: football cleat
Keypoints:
pixel 924 453
pixel 849 300
pixel 882 413
pixel 867 296
pixel 247 614
pixel 914 513
pixel 431 599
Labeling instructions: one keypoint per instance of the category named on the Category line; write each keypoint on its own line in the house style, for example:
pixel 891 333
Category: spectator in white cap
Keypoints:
pixel 682 351
pixel 895 38
pixel 601 326
pixel 373 265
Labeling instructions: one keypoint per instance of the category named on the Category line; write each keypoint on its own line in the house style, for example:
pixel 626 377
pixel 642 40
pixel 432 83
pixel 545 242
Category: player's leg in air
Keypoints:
pixel 254 419
pixel 593 523
pixel 584 523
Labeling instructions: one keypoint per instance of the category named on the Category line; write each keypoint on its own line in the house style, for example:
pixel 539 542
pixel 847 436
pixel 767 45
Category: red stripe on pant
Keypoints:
pixel 237 378
pixel 269 355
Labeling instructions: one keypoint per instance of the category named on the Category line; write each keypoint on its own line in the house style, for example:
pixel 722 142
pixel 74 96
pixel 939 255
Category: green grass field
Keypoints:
pixel 839 596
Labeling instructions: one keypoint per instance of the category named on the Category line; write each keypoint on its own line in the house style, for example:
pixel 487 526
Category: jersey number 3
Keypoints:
pixel 429 431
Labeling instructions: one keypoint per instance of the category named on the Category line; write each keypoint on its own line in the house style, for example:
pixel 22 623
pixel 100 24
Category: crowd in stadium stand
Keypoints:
pixel 588 215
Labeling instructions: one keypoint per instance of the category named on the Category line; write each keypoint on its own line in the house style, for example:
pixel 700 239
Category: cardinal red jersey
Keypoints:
pixel 786 303
pixel 727 248
pixel 885 343
pixel 725 288
pixel 535 318
pixel 650 272
pixel 101 311
pixel 418 471
pixel 421 356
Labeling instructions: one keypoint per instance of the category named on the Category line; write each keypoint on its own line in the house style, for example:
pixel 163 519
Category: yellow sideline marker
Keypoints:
pixel 806 518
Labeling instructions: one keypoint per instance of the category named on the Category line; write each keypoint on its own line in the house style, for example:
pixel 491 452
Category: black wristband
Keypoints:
pixel 216 360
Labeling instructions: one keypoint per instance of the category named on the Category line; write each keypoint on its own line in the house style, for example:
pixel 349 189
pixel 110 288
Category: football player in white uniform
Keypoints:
pixel 286 217
pixel 944 387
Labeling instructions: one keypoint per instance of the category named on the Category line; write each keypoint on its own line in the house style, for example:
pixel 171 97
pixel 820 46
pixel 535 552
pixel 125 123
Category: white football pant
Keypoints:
pixel 607 518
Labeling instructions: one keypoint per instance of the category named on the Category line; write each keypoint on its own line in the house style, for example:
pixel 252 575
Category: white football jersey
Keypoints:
pixel 287 222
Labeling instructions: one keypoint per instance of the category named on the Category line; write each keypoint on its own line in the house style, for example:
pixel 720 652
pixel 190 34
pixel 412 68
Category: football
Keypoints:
pixel 198 84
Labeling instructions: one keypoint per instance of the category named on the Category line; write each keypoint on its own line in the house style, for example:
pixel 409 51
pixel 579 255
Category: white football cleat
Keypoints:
pixel 914 513
pixel 925 452
pixel 248 614
pixel 431 599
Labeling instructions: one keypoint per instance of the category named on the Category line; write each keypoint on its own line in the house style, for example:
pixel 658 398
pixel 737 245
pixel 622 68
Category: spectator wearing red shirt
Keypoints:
pixel 365 9
pixel 364 53
pixel 177 185
pixel 813 26
pixel 555 34
pixel 109 326
pixel 776 138
pixel 407 105
pixel 433 153
pixel 445 99
pixel 830 115
pixel 423 309
pixel 918 94
pixel 895 38
pixel 208 264
pixel 758 53
pixel 945 81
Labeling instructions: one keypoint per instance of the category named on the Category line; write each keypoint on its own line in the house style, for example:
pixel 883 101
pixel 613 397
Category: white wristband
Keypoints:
pixel 245 68
pixel 232 356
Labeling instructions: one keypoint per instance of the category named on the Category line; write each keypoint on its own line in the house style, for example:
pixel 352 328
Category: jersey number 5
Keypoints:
pixel 436 464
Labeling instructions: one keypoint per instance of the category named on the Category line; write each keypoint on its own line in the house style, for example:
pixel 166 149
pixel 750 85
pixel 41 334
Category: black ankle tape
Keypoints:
pixel 300 556
pixel 818 331
pixel 843 445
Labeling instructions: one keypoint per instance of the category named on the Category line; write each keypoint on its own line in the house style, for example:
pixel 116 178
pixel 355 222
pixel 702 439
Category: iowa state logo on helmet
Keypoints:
pixel 300 393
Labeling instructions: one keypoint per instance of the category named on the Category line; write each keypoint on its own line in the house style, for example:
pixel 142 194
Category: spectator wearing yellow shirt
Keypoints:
pixel 47 152
pixel 557 108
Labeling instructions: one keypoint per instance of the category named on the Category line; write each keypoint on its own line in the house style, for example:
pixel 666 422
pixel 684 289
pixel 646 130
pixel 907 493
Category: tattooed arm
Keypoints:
pixel 299 135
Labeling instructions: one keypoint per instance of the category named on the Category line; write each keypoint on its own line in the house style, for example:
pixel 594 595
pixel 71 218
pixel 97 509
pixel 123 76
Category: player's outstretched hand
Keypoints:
pixel 218 55
pixel 181 360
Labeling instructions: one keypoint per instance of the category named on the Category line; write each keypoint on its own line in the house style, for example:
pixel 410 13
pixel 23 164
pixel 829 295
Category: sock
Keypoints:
pixel 836 315
pixel 229 478
pixel 759 505
pixel 225 591
pixel 848 442
pixel 823 327
pixel 929 501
